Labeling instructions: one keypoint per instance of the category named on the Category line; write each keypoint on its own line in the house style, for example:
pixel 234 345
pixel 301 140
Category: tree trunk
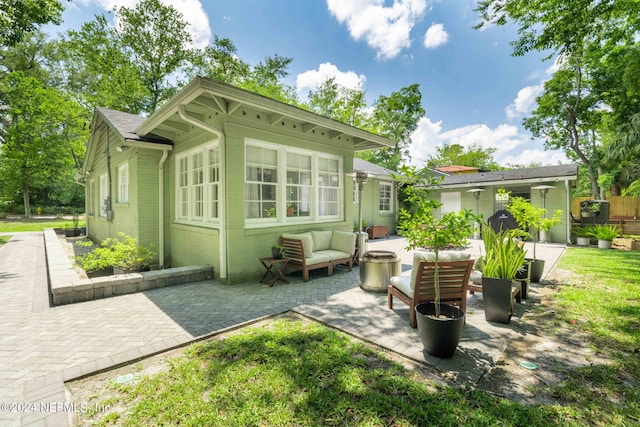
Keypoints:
pixel 25 199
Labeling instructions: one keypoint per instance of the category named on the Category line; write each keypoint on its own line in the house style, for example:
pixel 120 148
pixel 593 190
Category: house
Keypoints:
pixel 217 174
pixel 547 186
pixel 379 196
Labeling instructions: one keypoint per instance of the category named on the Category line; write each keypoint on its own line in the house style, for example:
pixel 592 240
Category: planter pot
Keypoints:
pixel 100 273
pixel 275 253
pixel 439 336
pixel 536 268
pixel 71 232
pixel 544 236
pixel 497 295
pixel 604 244
pixel 523 276
pixel 583 241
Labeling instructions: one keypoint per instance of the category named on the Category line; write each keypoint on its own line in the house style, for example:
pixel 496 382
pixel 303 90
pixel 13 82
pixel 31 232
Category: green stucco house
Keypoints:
pixel 548 186
pixel 379 196
pixel 217 174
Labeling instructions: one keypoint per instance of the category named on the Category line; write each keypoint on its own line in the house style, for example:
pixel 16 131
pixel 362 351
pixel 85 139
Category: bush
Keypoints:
pixel 122 252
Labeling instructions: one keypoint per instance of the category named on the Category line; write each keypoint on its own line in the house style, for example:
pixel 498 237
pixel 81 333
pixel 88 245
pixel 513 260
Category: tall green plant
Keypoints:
pixel 422 228
pixel 529 216
pixel 504 255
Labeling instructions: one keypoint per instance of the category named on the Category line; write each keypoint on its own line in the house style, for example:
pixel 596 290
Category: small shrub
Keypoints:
pixel 122 252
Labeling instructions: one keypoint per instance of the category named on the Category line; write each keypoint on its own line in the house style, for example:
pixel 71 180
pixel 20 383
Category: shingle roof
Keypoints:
pixel 126 124
pixel 544 173
pixel 365 166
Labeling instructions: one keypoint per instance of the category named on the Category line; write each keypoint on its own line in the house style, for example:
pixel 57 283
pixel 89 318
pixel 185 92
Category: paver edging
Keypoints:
pixel 67 287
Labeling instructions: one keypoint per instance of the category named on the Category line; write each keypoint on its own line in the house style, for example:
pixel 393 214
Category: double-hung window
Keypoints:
pixel 386 197
pixel 104 195
pixel 291 185
pixel 197 185
pixel 123 183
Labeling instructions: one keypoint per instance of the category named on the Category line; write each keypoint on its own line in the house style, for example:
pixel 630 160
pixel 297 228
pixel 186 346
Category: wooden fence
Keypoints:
pixel 620 207
pixel 623 211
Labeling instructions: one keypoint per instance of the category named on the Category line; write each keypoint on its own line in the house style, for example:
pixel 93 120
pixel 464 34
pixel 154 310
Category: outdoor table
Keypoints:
pixel 276 270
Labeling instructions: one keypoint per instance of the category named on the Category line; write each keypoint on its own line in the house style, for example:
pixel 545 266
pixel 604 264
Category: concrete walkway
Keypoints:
pixel 42 347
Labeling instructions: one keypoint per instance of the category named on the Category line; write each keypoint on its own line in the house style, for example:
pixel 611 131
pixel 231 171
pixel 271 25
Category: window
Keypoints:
pixel 197 185
pixel 91 205
pixel 298 185
pixel 386 197
pixel 123 183
pixel 261 182
pixel 104 195
pixel 285 184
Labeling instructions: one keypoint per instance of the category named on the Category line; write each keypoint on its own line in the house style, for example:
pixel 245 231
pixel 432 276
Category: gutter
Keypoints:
pixel 182 112
pixel 165 153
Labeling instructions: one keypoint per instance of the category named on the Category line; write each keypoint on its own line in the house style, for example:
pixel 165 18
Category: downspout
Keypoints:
pixel 182 112
pixel 165 154
pixel 568 210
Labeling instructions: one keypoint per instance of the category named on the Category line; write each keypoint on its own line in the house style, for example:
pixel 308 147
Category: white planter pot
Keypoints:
pixel 604 244
pixel 544 236
pixel 583 241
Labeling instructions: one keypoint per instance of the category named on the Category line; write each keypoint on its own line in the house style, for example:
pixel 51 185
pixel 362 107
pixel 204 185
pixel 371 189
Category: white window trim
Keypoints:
pixel 390 185
pixel 123 183
pixel 92 197
pixel 104 195
pixel 281 217
pixel 206 220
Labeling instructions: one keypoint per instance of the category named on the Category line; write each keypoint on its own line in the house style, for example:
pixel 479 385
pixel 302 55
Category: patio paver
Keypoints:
pixel 41 347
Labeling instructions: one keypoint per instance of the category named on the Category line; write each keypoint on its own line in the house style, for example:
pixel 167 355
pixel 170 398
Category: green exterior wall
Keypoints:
pixel 371 214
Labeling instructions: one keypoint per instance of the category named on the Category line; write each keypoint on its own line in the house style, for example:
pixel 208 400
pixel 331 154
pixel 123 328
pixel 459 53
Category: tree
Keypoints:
pixel 156 36
pixel 338 102
pixel 43 136
pixel 21 17
pixel 219 61
pixel 455 154
pixel 396 117
pixel 97 68
pixel 266 79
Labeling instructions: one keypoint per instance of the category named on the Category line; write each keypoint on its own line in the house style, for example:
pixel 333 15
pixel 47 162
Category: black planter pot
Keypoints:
pixel 497 296
pixel 536 268
pixel 276 253
pixel 439 336
pixel 523 276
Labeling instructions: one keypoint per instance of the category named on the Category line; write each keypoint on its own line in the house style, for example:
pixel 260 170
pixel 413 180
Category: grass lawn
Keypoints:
pixel 298 372
pixel 4 239
pixel 11 226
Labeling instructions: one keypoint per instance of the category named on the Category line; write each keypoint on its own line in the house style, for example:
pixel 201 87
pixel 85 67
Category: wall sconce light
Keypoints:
pixel 121 148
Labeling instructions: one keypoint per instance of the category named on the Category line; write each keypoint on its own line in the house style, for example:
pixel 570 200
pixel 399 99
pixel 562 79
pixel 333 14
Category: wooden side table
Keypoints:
pixel 276 270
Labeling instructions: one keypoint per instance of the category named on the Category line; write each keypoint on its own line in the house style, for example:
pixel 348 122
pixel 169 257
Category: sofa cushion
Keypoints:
pixel 321 240
pixel 403 284
pixel 443 256
pixel 307 242
pixel 317 258
pixel 343 241
pixel 335 255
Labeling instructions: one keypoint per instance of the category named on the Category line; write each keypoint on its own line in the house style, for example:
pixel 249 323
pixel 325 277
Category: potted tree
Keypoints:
pixel 531 219
pixel 439 325
pixel 503 259
pixel 605 234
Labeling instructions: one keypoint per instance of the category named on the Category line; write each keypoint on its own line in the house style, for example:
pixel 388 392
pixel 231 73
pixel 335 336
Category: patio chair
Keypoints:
pixel 454 271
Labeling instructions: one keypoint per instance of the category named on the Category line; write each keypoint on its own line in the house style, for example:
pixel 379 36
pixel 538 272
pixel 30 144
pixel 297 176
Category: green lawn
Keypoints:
pixel 298 372
pixel 10 226
pixel 4 239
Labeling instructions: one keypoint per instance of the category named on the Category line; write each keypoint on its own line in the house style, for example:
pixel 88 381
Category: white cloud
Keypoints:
pixel 524 102
pixel 192 12
pixel 385 28
pixel 309 80
pixel 506 139
pixel 435 36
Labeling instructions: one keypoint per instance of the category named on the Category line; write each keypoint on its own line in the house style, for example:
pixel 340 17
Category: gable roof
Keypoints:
pixel 203 95
pixel 513 176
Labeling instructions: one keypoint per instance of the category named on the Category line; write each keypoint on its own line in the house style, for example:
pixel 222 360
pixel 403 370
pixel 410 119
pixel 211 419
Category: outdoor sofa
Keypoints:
pixel 319 249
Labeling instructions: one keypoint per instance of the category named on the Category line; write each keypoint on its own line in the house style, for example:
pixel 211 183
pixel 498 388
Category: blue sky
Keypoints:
pixel 473 90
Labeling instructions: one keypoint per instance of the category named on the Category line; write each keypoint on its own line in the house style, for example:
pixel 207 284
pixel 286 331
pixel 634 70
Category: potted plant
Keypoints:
pixel 605 234
pixel 583 235
pixel 278 251
pixel 439 325
pixel 531 219
pixel 503 259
